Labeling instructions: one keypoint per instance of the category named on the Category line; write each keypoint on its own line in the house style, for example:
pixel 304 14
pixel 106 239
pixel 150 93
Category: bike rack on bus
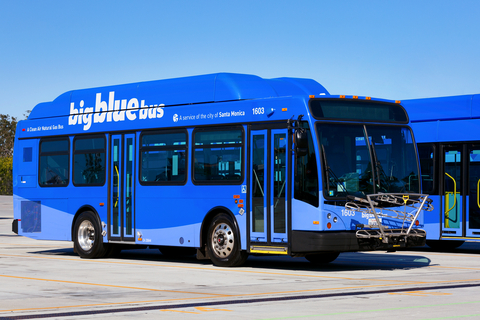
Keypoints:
pixel 399 206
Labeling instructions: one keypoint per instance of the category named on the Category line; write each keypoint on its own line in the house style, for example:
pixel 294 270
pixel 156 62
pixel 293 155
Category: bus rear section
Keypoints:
pixel 449 148
pixel 221 165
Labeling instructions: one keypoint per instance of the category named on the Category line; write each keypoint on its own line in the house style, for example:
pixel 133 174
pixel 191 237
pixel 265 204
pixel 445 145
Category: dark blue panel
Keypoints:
pixel 476 106
pixel 27 154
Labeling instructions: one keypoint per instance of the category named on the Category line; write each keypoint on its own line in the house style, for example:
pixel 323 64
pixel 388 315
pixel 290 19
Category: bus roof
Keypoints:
pixel 443 108
pixel 209 88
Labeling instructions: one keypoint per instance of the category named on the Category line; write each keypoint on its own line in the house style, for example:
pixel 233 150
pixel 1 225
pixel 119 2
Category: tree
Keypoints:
pixel 7 138
pixel 7 135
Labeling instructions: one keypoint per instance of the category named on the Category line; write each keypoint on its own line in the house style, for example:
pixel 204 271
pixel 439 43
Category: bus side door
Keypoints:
pixel 269 182
pixel 121 186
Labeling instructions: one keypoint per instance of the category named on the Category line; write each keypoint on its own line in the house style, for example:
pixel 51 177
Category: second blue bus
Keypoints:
pixel 447 130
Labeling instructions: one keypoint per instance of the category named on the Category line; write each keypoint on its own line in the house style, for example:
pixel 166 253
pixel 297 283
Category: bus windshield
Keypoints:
pixel 367 159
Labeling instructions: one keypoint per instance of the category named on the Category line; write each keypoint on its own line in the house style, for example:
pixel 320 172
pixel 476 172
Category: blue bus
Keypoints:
pixel 221 165
pixel 447 130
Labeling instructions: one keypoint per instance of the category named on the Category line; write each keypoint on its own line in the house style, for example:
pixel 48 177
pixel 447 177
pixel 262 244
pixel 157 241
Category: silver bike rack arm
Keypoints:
pixel 399 207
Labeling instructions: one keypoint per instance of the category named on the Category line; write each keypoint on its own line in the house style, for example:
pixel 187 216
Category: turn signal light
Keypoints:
pixel 329 225
pixel 417 223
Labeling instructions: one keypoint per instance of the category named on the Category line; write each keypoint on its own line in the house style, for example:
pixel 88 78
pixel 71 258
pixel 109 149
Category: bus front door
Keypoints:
pixel 452 203
pixel 121 186
pixel 269 193
pixel 473 203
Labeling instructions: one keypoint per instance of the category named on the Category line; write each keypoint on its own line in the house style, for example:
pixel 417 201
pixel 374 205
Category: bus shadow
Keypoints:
pixel 349 261
pixel 469 247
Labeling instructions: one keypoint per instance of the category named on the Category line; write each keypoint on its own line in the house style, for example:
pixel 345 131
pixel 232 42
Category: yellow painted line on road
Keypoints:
pixel 212 296
pixel 167 310
pixel 421 293
pixel 361 287
pixel 108 285
pixel 459 268
pixel 212 268
pixel 107 304
pixel 35 245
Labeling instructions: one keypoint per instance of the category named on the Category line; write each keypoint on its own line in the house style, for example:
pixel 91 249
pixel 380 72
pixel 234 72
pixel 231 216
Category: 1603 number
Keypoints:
pixel 258 110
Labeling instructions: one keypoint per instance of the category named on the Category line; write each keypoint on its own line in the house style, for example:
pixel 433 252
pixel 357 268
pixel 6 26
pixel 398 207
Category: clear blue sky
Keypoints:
pixel 387 49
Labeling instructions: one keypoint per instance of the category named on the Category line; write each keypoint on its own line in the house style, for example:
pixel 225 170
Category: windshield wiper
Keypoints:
pixel 329 170
pixel 378 165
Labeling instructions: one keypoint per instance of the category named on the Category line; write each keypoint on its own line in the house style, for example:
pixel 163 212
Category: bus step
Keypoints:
pixel 268 250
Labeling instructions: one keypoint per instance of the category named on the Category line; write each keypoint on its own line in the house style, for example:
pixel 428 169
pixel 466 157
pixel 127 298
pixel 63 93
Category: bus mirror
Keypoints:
pixel 301 142
pixel 300 152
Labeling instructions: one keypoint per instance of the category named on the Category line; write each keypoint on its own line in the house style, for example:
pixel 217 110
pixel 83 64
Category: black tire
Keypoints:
pixel 87 236
pixel 223 243
pixel 322 258
pixel 175 252
pixel 444 244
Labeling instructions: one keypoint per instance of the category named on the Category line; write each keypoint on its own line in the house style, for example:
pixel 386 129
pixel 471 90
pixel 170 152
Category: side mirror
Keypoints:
pixel 301 143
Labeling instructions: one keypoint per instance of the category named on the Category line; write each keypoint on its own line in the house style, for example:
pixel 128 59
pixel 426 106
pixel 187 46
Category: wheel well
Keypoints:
pixel 79 212
pixel 208 219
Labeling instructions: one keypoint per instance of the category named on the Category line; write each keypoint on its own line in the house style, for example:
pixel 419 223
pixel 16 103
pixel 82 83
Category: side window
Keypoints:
pixel 54 162
pixel 218 156
pixel 306 175
pixel 89 161
pixel 163 158
pixel 426 153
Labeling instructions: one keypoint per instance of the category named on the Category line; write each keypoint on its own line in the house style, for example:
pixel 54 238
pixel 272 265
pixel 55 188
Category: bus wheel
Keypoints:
pixel 223 243
pixel 322 258
pixel 88 236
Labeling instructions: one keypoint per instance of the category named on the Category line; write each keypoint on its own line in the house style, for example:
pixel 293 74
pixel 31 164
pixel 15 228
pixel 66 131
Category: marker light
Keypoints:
pixel 342 96
pixel 284 109
pixel 355 97
pixel 368 98
pixel 397 101
pixel 311 96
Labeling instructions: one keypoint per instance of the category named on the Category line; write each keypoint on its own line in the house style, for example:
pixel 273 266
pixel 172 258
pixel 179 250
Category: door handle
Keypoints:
pixel 478 193
pixel 118 175
pixel 454 194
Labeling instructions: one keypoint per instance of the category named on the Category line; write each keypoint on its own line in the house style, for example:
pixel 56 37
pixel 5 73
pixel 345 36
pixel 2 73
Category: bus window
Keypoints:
pixel 54 163
pixel 427 160
pixel 89 161
pixel 396 168
pixel 355 167
pixel 218 156
pixel 163 158
pixel 306 176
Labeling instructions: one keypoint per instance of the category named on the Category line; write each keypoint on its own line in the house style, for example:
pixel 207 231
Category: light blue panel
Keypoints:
pixel 444 108
pixel 309 214
pixel 54 222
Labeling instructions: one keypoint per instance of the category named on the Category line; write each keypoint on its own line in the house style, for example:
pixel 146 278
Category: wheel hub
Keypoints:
pixel 86 235
pixel 223 240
